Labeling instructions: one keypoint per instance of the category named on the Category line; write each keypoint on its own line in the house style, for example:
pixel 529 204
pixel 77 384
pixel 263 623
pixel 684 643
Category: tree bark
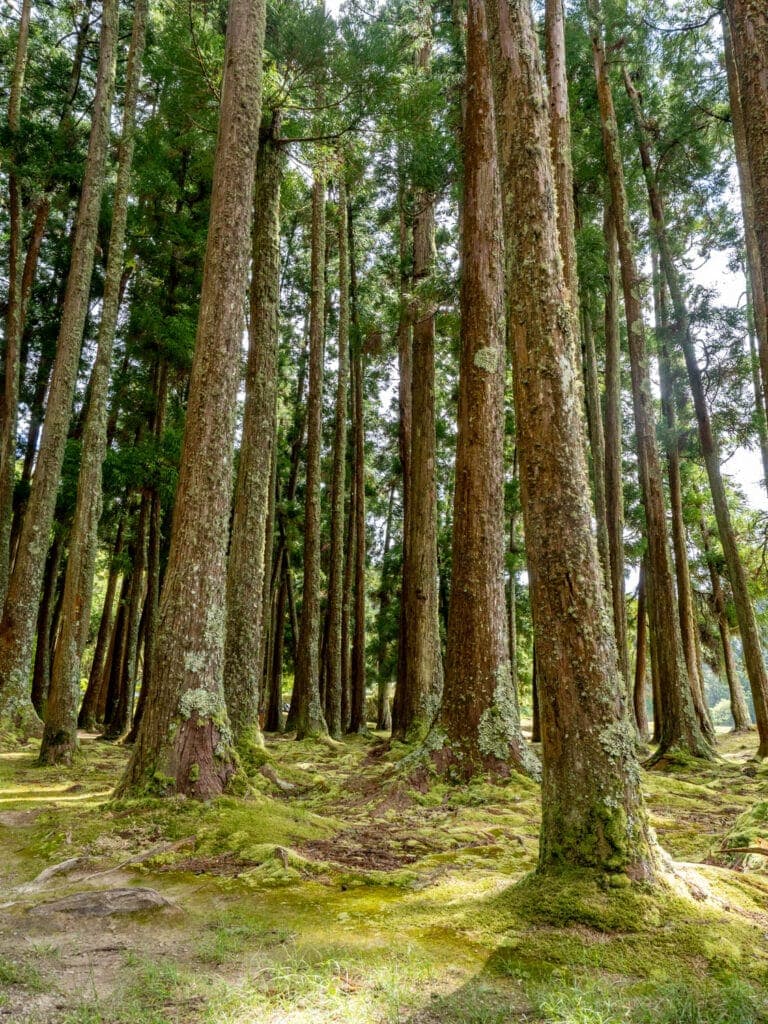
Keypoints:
pixel 60 733
pixel 41 672
pixel 680 727
pixel 479 721
pixel 247 552
pixel 593 815
pixel 185 743
pixel 19 613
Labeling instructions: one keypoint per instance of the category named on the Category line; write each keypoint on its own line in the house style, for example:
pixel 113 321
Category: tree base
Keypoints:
pixel 59 746
pixel 20 723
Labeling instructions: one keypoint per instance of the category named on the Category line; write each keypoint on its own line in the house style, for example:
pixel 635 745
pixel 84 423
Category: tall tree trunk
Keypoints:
pixel 357 720
pixel 745 613
pixel 309 719
pixel 596 439
pixel 479 721
pixel 686 613
pixel 512 584
pixel 60 733
pixel 383 711
pixel 18 619
pixel 614 476
pixel 347 611
pixel 641 660
pixel 338 482
pixel 592 808
pixel 680 727
pixel 739 710
pixel 422 670
pixel 404 430
pixel 245 567
pixel 9 399
pixel 274 719
pixel 184 742
pixel 746 40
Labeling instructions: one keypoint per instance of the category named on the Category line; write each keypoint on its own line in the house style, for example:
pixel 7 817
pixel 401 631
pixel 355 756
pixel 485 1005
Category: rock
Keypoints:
pixel 104 902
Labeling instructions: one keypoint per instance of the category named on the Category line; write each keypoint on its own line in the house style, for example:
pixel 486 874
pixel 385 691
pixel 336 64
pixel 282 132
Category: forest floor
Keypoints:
pixel 341 890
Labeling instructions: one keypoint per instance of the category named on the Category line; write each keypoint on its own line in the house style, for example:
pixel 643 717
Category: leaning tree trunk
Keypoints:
pixel 592 808
pixel 9 399
pixel 745 612
pixel 680 727
pixel 60 733
pixel 247 553
pixel 185 742
pixel 748 23
pixel 478 728
pixel 338 483
pixel 18 620
pixel 308 719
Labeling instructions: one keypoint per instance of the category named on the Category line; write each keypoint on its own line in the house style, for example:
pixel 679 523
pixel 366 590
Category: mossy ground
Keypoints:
pixel 343 890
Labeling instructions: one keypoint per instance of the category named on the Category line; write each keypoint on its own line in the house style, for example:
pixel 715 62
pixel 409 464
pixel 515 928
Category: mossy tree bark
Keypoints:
pixel 60 733
pixel 184 742
pixel 338 482
pixel 20 610
pixel 710 450
pixel 593 813
pixel 478 728
pixel 680 727
pixel 614 476
pixel 383 711
pixel 247 552
pixel 9 398
pixel 309 719
pixel 747 40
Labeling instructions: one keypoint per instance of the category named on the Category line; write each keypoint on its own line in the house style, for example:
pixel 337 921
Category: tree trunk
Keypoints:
pixel 309 720
pixel 14 316
pixel 641 660
pixel 338 483
pixel 681 729
pixel 87 716
pixel 357 721
pixel 184 742
pixel 383 711
pixel 747 52
pixel 614 476
pixel 479 721
pixel 19 614
pixel 745 613
pixel 41 672
pixel 60 733
pixel 245 567
pixel 592 808
pixel 739 710
pixel 421 671
pixel 686 613
pixel 596 440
